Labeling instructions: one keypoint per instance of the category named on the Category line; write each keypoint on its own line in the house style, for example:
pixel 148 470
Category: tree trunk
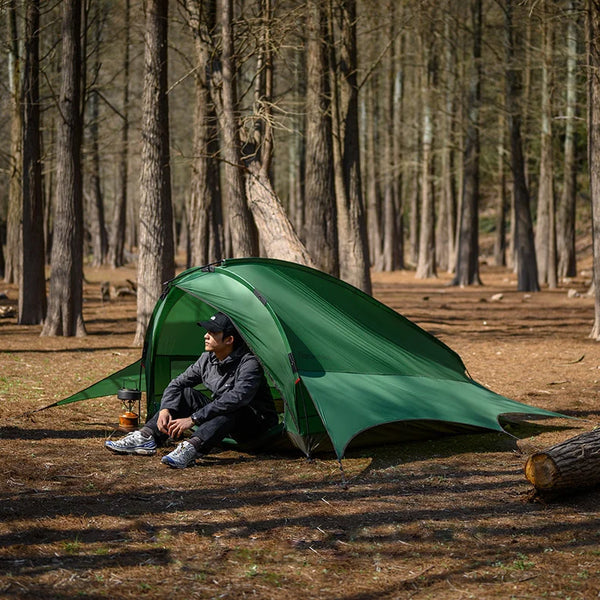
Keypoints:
pixel 95 201
pixel 426 260
pixel 32 285
pixel 566 468
pixel 525 70
pixel 132 209
pixel 567 266
pixel 2 238
pixel 372 186
pixel 593 24
pixel 545 238
pixel 399 133
pixel 320 209
pixel 156 250
pixel 500 234
pixel 527 276
pixel 12 266
pixel 297 151
pixel 390 201
pixel 446 224
pixel 223 91
pixel 204 210
pixel 204 205
pixel 467 261
pixel 277 235
pixel 117 232
pixel 352 230
pixel 66 280
pixel 415 205
pixel 512 243
pixel 48 188
pixel 132 225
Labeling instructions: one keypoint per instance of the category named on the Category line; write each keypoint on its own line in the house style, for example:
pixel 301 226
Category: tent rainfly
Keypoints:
pixel 345 367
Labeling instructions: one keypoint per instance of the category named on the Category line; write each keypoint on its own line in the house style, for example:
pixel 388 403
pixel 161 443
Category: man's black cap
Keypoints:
pixel 218 322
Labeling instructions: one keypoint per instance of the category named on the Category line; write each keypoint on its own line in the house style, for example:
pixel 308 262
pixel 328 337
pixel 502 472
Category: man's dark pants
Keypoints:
pixel 242 424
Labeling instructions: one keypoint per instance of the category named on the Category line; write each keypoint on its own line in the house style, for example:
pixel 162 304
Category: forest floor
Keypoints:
pixel 440 519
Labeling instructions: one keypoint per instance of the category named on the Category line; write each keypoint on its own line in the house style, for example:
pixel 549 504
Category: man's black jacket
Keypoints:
pixel 235 382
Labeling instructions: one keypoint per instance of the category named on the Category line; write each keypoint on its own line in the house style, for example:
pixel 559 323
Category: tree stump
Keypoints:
pixel 568 467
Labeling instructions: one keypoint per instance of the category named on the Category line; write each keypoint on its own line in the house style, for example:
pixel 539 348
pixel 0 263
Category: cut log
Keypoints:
pixel 568 467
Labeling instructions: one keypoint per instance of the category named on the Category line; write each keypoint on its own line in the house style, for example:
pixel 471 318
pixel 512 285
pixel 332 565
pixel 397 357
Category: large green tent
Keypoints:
pixel 346 367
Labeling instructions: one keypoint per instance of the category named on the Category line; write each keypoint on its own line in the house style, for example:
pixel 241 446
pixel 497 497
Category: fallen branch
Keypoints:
pixel 574 362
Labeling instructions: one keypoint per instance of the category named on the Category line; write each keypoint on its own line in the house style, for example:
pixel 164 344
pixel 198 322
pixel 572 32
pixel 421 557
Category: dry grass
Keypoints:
pixel 441 519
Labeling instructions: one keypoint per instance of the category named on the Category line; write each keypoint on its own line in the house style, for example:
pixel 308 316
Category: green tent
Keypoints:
pixel 345 367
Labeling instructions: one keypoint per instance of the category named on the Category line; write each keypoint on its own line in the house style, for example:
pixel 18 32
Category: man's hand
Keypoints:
pixel 164 420
pixel 178 426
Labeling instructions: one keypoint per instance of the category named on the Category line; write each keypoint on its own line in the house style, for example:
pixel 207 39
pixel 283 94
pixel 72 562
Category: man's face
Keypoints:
pixel 215 342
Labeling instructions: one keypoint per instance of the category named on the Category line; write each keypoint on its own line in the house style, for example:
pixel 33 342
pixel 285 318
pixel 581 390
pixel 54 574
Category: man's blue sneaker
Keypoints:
pixel 133 443
pixel 183 456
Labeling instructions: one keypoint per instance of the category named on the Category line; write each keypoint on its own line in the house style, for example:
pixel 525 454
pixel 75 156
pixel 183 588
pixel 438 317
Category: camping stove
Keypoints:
pixel 129 420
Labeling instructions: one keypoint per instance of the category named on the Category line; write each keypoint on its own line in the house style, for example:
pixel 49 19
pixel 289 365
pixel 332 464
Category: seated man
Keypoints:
pixel 241 405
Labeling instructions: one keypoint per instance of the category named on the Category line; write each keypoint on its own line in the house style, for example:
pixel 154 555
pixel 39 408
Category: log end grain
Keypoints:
pixel 541 471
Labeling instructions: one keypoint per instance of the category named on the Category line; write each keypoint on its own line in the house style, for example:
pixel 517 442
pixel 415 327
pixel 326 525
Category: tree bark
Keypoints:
pixel 297 151
pixel 95 201
pixel 500 233
pixel 593 25
pixel 204 212
pixel 545 238
pixel 12 266
pixel 223 91
pixel 65 304
pixel 467 261
pixel 2 236
pixel 398 148
pixel 32 285
pixel 567 266
pixel 320 208
pixel 527 275
pixel 277 235
pixel 156 249
pixel 426 266
pixel 205 215
pixel 390 188
pixel 117 232
pixel 525 70
pixel 373 196
pixel 352 230
pixel 566 468
pixel 415 172
pixel 49 184
pixel 446 223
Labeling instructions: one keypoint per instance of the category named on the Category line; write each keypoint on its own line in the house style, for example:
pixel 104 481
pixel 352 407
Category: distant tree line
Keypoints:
pixel 343 134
